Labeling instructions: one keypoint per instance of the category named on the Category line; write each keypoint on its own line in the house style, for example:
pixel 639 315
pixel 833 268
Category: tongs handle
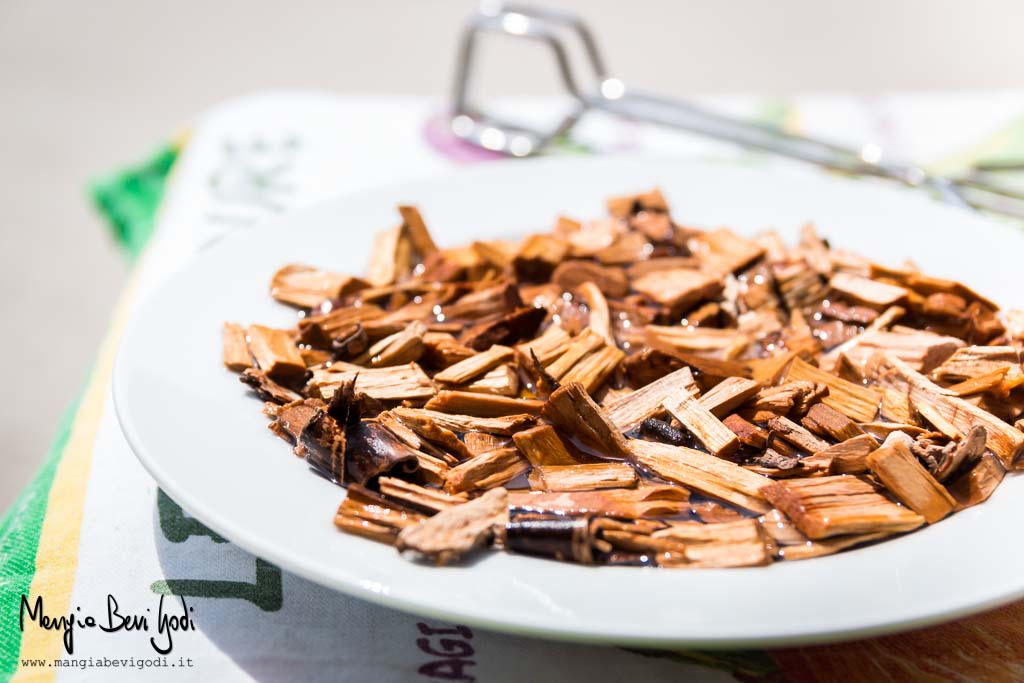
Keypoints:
pixel 685 116
pixel 690 118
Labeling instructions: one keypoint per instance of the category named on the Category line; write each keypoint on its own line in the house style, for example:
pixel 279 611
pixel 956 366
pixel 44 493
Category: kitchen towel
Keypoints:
pixel 93 524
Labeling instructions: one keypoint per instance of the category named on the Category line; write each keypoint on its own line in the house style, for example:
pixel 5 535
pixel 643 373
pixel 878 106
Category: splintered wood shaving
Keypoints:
pixel 631 391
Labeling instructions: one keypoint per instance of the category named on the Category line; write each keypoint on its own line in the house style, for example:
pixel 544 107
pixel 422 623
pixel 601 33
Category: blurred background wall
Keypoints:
pixel 86 87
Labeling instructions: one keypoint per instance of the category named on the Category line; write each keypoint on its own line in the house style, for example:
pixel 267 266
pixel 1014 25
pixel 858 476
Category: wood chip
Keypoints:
pixel 390 257
pixel 498 253
pixel 723 343
pixel 977 484
pixel 481 442
pixel 308 287
pixel 923 351
pixel 599 319
pixel 628 412
pixel 828 546
pixel 749 434
pixel 475 366
pixel 413 495
pixel 711 476
pixel 291 419
pixel 501 381
pixel 484 302
pixel 367 514
pixel 340 325
pixel 482 405
pixel 236 350
pixel 815 250
pixel 902 474
pixel 698 420
pixel 723 555
pixel 508 329
pixel 859 403
pixel 266 388
pixel 796 397
pixel 1003 439
pixel 538 256
pixel 275 353
pixel 574 413
pixel 976 361
pixel 623 248
pixel 645 501
pixel 881 430
pixel 486 470
pixel 609 280
pixel 582 345
pixel 724 532
pixel 399 348
pixel 678 289
pixel 665 549
pixel 850 456
pixel 456 531
pixel 728 395
pixel 399 383
pixel 800 285
pixel 584 477
pixel 895 406
pixel 832 506
pixel 428 436
pixel 827 421
pixel 968 450
pixel 452 265
pixel 505 425
pixel 796 435
pixel 594 368
pixel 552 343
pixel 623 206
pixel 542 447
pixel 723 251
pixel 741 543
pixel 933 415
pixel 867 291
pixel 417 231
pixel 976 385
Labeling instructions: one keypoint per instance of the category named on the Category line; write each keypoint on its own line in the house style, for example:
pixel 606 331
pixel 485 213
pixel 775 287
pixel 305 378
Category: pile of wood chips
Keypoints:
pixel 632 391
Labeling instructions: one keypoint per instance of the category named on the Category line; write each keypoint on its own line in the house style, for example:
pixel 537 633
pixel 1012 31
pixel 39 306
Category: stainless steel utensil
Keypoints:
pixel 557 30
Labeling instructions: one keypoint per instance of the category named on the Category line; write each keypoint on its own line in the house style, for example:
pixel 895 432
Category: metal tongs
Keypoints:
pixel 558 29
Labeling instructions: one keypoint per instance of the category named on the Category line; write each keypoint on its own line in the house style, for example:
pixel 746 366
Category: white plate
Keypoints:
pixel 200 433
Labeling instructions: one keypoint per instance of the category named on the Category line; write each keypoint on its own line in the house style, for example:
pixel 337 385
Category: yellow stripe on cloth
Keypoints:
pixel 57 554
